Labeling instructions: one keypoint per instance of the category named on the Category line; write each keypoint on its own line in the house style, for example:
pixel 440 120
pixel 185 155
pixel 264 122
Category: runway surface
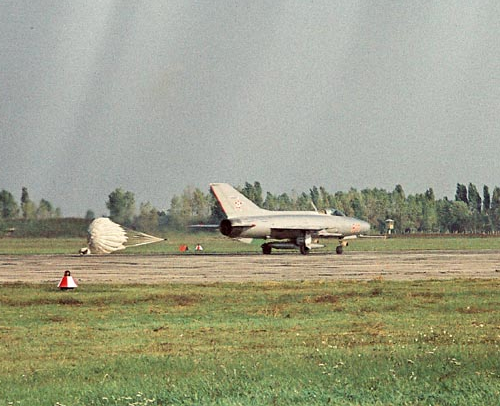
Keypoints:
pixel 200 268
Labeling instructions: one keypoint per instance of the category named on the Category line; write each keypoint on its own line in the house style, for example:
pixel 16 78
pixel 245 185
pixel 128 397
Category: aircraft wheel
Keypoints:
pixel 339 250
pixel 266 249
pixel 304 250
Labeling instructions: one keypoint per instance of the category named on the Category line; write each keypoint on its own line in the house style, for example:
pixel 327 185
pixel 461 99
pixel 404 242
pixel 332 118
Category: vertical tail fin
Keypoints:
pixel 233 202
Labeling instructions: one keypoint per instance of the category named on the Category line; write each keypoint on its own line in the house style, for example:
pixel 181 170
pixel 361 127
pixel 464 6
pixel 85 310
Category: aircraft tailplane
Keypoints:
pixel 233 202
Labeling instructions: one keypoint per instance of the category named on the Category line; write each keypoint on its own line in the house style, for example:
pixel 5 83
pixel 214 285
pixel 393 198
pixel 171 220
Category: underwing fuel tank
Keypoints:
pixel 290 245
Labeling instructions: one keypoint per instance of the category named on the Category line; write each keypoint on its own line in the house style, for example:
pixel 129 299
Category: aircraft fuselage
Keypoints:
pixel 245 220
pixel 292 225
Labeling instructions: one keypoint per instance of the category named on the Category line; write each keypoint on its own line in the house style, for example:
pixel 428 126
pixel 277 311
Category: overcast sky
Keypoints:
pixel 154 96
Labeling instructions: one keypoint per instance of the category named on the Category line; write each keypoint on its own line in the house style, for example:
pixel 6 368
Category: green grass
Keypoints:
pixel 342 343
pixel 216 243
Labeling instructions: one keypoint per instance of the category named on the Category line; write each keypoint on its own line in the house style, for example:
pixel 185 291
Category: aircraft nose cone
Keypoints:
pixel 365 227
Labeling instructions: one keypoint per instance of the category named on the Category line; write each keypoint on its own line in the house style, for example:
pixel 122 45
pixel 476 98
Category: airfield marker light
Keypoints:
pixel 67 282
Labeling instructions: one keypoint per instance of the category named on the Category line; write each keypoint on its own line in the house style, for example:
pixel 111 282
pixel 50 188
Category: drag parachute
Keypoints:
pixel 105 236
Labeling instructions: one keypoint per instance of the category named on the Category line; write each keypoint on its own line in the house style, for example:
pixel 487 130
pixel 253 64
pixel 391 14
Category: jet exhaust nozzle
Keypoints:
pixel 226 227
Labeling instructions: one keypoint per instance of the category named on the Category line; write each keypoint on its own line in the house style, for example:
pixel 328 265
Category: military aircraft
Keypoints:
pixel 299 229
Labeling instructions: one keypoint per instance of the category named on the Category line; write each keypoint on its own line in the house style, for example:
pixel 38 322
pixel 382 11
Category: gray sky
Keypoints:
pixel 153 96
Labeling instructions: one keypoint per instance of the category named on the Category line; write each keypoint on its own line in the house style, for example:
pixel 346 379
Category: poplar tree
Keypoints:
pixel 475 201
pixel 495 208
pixel 27 206
pixel 486 199
pixel 461 194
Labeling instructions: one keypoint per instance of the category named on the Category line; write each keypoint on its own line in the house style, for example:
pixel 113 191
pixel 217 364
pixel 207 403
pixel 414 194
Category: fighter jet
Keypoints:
pixel 286 229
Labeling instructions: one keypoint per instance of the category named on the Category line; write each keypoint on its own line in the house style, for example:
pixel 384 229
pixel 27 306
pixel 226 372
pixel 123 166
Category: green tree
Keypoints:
pixel 315 197
pixel 460 220
pixel 343 203
pixel 487 221
pixel 414 213
pixel 475 201
pixel 303 202
pixel 461 194
pixel 192 207
pixel 475 206
pixel 495 199
pixel 253 192
pixel 429 212
pixel 443 208
pixel 495 208
pixel 200 205
pixel 27 206
pixel 284 202
pixel 377 207
pixel 9 209
pixel 177 218
pixel 121 206
pixel 454 216
pixel 278 203
pixel 486 199
pixel 45 210
pixel 148 218
pixel 358 207
pixel 421 212
pixel 270 202
pixel 325 198
pixel 399 209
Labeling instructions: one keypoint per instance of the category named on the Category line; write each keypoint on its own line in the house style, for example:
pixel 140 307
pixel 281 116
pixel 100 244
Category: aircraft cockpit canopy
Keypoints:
pixel 332 212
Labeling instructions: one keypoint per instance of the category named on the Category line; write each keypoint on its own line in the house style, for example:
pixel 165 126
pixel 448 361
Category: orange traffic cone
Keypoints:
pixel 67 281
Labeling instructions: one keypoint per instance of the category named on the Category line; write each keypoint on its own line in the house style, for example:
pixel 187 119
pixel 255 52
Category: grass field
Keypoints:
pixel 303 343
pixel 342 343
pixel 214 242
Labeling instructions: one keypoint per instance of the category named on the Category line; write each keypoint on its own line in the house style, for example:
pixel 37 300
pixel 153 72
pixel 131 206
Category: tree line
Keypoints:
pixel 28 209
pixel 469 212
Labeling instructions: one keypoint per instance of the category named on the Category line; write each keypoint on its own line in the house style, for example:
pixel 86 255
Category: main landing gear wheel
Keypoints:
pixel 339 250
pixel 304 250
pixel 266 249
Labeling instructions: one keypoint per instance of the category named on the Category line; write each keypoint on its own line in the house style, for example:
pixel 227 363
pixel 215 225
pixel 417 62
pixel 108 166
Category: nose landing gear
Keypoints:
pixel 340 248
pixel 304 243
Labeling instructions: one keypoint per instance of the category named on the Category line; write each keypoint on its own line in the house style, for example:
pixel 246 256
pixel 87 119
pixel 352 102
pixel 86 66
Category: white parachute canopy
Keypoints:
pixel 105 236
